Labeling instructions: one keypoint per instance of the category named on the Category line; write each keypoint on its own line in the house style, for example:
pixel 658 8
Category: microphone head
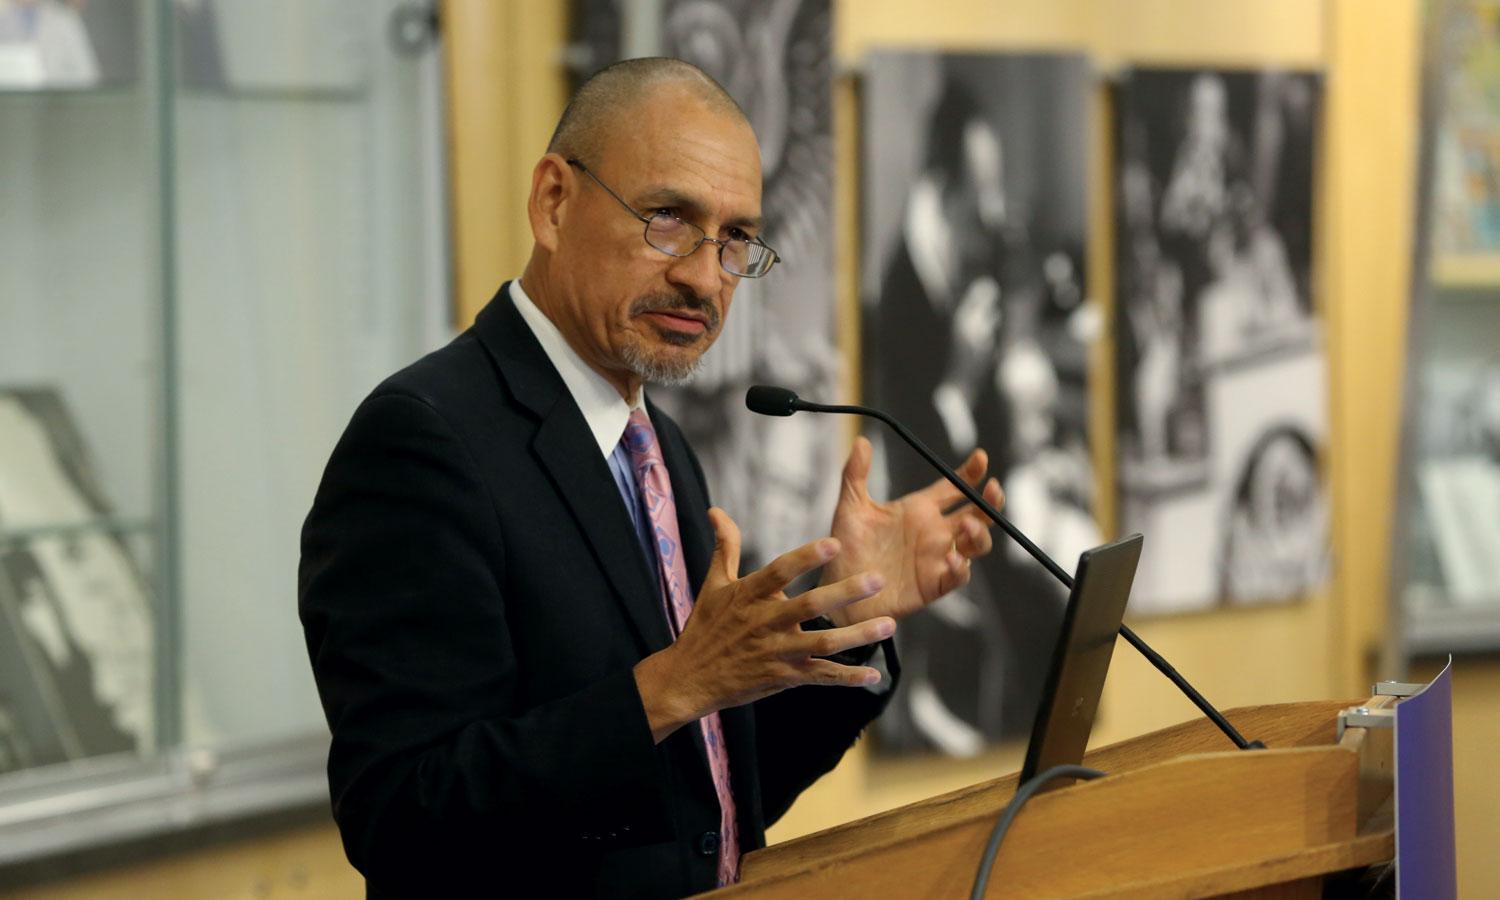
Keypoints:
pixel 771 401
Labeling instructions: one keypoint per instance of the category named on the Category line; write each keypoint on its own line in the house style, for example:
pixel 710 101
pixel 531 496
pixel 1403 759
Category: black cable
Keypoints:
pixel 1040 556
pixel 1013 809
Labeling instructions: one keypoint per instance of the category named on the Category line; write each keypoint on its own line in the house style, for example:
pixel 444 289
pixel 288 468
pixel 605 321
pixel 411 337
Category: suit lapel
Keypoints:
pixel 566 449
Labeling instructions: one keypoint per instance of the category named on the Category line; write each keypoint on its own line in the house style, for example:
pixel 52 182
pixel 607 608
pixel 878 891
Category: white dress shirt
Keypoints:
pixel 603 409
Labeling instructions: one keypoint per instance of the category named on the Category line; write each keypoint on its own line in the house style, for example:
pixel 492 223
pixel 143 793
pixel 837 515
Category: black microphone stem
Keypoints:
pixel 1051 565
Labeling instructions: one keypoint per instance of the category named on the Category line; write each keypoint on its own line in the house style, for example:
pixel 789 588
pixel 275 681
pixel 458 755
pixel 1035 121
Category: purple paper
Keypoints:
pixel 1425 864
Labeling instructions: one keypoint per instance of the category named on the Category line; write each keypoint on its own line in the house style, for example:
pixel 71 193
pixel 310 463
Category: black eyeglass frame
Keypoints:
pixel 702 235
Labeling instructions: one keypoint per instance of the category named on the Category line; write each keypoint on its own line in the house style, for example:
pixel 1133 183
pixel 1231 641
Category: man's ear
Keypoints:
pixel 552 186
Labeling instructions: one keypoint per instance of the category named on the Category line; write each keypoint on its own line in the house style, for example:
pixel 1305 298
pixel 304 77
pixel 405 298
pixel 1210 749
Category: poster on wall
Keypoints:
pixel 598 37
pixel 976 333
pixel 778 478
pixel 1220 367
pixel 1467 176
pixel 76 642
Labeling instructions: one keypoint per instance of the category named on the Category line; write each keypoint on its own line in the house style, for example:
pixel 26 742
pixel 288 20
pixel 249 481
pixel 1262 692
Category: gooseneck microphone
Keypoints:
pixel 777 401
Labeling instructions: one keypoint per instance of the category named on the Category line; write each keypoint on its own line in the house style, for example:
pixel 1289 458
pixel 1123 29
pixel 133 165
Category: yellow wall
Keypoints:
pixel 507 86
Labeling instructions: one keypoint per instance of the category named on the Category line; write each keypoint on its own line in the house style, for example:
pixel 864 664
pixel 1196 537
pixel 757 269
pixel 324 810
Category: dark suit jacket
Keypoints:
pixel 474 599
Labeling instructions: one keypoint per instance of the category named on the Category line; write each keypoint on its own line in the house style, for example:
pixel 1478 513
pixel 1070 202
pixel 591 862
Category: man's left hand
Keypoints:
pixel 920 543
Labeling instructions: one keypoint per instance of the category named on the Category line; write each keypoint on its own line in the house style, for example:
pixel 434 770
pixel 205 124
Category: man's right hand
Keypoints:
pixel 744 641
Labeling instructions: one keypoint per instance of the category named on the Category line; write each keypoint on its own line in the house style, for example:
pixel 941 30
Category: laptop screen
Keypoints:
pixel 1080 660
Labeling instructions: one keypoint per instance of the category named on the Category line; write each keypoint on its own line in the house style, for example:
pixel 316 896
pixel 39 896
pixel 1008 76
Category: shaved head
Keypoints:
pixel 602 103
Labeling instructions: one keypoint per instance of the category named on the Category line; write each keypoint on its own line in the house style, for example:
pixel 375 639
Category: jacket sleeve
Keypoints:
pixel 801 734
pixel 401 600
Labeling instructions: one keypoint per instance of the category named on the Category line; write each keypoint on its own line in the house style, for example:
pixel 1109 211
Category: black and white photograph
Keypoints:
pixel 976 333
pixel 776 477
pixel 1466 177
pixel 598 37
pixel 76 676
pixel 1220 370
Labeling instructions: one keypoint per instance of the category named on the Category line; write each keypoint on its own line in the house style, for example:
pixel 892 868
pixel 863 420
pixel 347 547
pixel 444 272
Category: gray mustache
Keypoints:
pixel 706 308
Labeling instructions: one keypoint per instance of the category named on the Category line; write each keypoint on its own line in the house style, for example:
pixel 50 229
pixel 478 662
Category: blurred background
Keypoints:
pixel 1225 272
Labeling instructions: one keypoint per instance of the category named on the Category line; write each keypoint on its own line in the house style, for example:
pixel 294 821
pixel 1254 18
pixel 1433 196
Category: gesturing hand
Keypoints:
pixel 743 640
pixel 919 543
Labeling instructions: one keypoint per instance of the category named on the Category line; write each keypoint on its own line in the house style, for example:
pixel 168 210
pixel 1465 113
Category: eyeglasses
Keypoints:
pixel 745 257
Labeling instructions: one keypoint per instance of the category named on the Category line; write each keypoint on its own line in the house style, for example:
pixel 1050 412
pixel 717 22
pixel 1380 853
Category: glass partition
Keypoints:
pixel 304 163
pixel 221 224
pixel 1448 523
pixel 81 377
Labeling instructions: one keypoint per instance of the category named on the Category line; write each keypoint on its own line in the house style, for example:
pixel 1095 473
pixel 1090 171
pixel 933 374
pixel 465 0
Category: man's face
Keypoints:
pixel 632 311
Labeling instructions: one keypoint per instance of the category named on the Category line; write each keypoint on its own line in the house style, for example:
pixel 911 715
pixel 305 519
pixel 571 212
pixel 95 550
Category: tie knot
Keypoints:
pixel 640 437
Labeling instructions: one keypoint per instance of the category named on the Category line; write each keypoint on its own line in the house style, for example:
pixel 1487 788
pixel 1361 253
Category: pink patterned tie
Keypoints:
pixel 652 481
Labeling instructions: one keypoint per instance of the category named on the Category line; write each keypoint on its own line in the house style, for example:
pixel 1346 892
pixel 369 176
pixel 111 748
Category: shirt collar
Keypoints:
pixel 603 410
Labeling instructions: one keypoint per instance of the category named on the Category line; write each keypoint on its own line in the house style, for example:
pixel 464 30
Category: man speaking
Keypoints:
pixel 542 669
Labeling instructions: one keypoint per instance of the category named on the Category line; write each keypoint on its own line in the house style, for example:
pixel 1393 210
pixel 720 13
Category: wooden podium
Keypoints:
pixel 1177 816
